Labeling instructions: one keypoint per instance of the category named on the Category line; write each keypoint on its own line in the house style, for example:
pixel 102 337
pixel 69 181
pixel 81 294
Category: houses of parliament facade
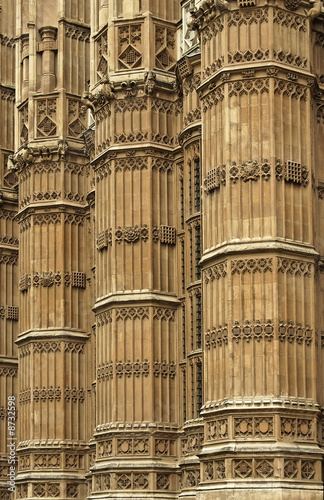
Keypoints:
pixel 161 249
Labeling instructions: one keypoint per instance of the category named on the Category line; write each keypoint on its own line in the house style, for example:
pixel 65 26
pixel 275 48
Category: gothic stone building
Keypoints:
pixel 161 258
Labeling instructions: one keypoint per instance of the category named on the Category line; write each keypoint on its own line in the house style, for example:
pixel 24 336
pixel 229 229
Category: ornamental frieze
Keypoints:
pixel 107 371
pixel 7 371
pixel 295 267
pixel 131 234
pixel 290 332
pixel 251 266
pixel 247 18
pixel 247 56
pixel 137 163
pixel 291 89
pixel 290 21
pixel 260 469
pixel 9 259
pixel 215 272
pixel 9 312
pixel 47 279
pixel 256 330
pixel 250 170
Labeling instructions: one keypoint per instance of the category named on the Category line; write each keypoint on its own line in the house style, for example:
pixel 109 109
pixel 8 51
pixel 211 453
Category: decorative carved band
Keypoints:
pixel 128 368
pixel 46 393
pixel 192 116
pixel 217 336
pixel 7 214
pixel 169 107
pixel 106 371
pixel 77 33
pixel 25 396
pixel 48 279
pixel 51 394
pixel 256 86
pixel 164 234
pixel 295 267
pixel 11 260
pixel 131 234
pixel 162 165
pixel 132 313
pixel 292 171
pixel 258 331
pixel 295 333
pixel 47 460
pixel 164 369
pixel 130 104
pixel 260 469
pixel 251 266
pixel 290 89
pixel 215 272
pixel 296 428
pixel 121 481
pixel 250 170
pixel 164 314
pixel 50 218
pixel 9 312
pixel 50 346
pixel 137 163
pixel 214 178
pixel 7 371
pixel 9 240
pixel 51 490
pixel 138 137
pixel 74 394
pixel 247 56
pixel 104 318
pixel 48 195
pixel 239 18
pixel 250 331
pixel 284 18
pixel 190 478
pixel 213 98
pixel 103 170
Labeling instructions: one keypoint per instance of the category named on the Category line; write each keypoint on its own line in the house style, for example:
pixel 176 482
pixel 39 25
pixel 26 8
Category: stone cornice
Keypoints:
pixel 135 297
pixel 271 245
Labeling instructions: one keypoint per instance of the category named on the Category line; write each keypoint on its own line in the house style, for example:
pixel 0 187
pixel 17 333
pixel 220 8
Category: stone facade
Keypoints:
pixel 161 250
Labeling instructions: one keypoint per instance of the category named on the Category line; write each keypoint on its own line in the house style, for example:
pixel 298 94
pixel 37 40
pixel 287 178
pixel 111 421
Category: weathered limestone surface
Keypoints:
pixel 161 250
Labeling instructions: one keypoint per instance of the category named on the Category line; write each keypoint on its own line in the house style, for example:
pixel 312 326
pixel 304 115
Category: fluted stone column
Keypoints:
pixel 137 112
pixel 9 310
pixel 261 399
pixel 55 248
